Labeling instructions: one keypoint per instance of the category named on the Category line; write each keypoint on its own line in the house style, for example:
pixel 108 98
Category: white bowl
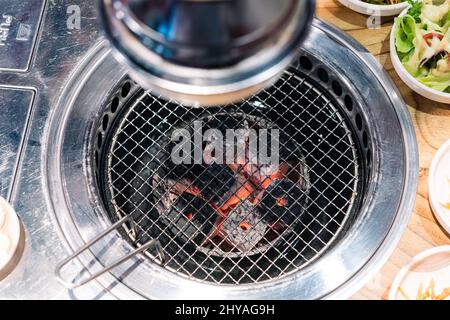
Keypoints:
pixel 374 9
pixel 431 265
pixel 408 79
pixel 10 237
pixel 439 186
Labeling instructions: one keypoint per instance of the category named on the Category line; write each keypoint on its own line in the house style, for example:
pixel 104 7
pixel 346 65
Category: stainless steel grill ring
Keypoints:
pixel 320 183
pixel 316 227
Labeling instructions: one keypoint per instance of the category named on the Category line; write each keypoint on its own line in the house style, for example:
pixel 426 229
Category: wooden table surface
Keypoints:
pixel 432 124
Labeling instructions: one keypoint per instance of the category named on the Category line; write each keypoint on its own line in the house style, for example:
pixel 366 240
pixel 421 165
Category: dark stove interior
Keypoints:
pixel 240 221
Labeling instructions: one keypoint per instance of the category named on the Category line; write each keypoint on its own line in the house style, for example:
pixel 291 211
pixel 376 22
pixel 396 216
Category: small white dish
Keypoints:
pixel 374 9
pixel 10 238
pixel 439 186
pixel 408 79
pixel 427 274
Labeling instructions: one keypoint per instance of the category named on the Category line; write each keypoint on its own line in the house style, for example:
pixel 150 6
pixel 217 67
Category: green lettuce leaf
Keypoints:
pixel 404 35
pixel 440 83
pixel 415 10
pixel 445 22
pixel 404 57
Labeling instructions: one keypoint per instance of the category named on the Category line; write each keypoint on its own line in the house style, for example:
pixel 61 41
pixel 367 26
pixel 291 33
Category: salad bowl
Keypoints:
pixel 434 90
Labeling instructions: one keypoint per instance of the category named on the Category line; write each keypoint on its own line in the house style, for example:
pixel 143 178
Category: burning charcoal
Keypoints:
pixel 214 181
pixel 191 219
pixel 282 202
pixel 243 227
pixel 174 172
pixel 167 191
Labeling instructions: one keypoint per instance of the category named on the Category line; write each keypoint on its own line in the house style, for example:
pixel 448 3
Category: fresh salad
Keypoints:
pixel 422 40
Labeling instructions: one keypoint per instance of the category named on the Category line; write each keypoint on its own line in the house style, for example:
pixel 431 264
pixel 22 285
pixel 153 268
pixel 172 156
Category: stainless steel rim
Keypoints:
pixel 365 246
pixel 411 176
pixel 327 190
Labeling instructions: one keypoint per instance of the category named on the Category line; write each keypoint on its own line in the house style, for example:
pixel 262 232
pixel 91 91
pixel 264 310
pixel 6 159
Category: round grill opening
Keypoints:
pixel 240 221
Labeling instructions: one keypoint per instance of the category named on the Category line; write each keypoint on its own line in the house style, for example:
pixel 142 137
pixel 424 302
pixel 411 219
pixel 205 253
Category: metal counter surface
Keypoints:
pixel 27 99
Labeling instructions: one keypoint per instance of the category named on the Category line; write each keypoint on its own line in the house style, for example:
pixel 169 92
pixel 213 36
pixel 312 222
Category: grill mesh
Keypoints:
pixel 220 223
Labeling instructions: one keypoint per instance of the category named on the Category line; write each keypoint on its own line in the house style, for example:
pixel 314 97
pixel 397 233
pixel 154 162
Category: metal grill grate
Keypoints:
pixel 234 224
